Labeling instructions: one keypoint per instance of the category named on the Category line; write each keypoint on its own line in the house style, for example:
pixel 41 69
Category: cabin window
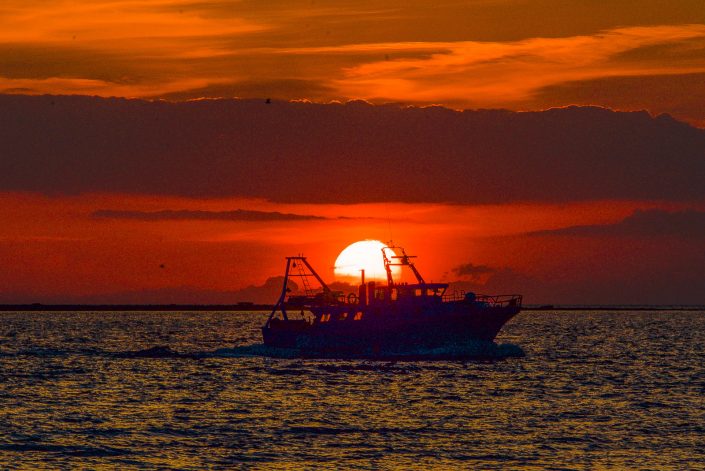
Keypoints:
pixel 394 294
pixel 417 292
pixel 358 316
pixel 343 316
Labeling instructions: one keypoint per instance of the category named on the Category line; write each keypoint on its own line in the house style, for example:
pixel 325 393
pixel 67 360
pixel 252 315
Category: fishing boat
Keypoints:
pixel 396 317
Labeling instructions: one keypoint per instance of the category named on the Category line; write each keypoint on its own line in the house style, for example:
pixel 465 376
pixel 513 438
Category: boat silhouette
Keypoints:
pixel 395 317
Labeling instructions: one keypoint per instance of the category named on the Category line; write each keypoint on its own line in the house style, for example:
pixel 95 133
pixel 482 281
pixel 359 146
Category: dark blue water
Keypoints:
pixel 616 390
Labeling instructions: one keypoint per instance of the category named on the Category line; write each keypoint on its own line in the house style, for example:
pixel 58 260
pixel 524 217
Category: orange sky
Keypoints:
pixel 147 201
pixel 57 249
pixel 627 54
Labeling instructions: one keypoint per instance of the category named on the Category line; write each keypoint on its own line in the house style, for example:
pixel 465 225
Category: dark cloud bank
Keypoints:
pixel 643 223
pixel 302 152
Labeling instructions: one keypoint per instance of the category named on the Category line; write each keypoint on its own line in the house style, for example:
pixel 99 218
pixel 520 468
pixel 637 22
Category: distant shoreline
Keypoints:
pixel 614 308
pixel 268 307
pixel 136 307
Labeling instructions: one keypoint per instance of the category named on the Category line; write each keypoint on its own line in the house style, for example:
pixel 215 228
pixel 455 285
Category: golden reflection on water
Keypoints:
pixel 596 390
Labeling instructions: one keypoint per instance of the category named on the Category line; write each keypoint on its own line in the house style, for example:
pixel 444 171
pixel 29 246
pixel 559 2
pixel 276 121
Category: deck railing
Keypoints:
pixel 498 300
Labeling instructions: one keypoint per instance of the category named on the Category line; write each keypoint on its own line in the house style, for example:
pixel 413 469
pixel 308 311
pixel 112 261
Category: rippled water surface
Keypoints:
pixel 594 390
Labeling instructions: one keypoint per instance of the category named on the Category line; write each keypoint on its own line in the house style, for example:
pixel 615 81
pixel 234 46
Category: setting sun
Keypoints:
pixel 363 255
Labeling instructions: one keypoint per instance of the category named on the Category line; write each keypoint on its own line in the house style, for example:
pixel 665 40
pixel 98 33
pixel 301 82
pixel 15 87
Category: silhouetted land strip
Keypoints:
pixel 615 308
pixel 136 307
pixel 268 307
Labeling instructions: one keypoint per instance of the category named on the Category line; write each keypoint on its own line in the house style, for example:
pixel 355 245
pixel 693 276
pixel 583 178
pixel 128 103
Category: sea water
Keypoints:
pixel 564 390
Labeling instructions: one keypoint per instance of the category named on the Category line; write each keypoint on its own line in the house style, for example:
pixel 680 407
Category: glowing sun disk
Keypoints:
pixel 363 255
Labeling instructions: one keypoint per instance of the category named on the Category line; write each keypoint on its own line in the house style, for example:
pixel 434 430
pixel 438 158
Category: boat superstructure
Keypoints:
pixel 393 317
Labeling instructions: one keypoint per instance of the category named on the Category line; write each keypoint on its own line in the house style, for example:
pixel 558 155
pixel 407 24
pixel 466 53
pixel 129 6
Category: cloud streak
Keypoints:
pixel 482 74
pixel 176 215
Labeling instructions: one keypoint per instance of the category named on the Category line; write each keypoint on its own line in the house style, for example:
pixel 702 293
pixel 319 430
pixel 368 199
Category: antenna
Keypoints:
pixel 389 221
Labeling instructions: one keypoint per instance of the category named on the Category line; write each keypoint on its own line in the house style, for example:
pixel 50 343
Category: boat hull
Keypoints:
pixel 395 331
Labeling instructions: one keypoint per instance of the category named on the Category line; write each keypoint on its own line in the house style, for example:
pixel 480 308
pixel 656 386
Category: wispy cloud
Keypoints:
pixel 472 270
pixel 112 20
pixel 474 273
pixel 506 73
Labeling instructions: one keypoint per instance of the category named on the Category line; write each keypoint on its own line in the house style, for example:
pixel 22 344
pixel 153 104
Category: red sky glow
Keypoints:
pixel 177 150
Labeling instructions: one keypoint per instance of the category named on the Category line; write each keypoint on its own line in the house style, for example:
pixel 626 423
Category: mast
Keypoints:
pixel 325 287
pixel 282 296
pixel 291 263
pixel 403 259
pixel 388 266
